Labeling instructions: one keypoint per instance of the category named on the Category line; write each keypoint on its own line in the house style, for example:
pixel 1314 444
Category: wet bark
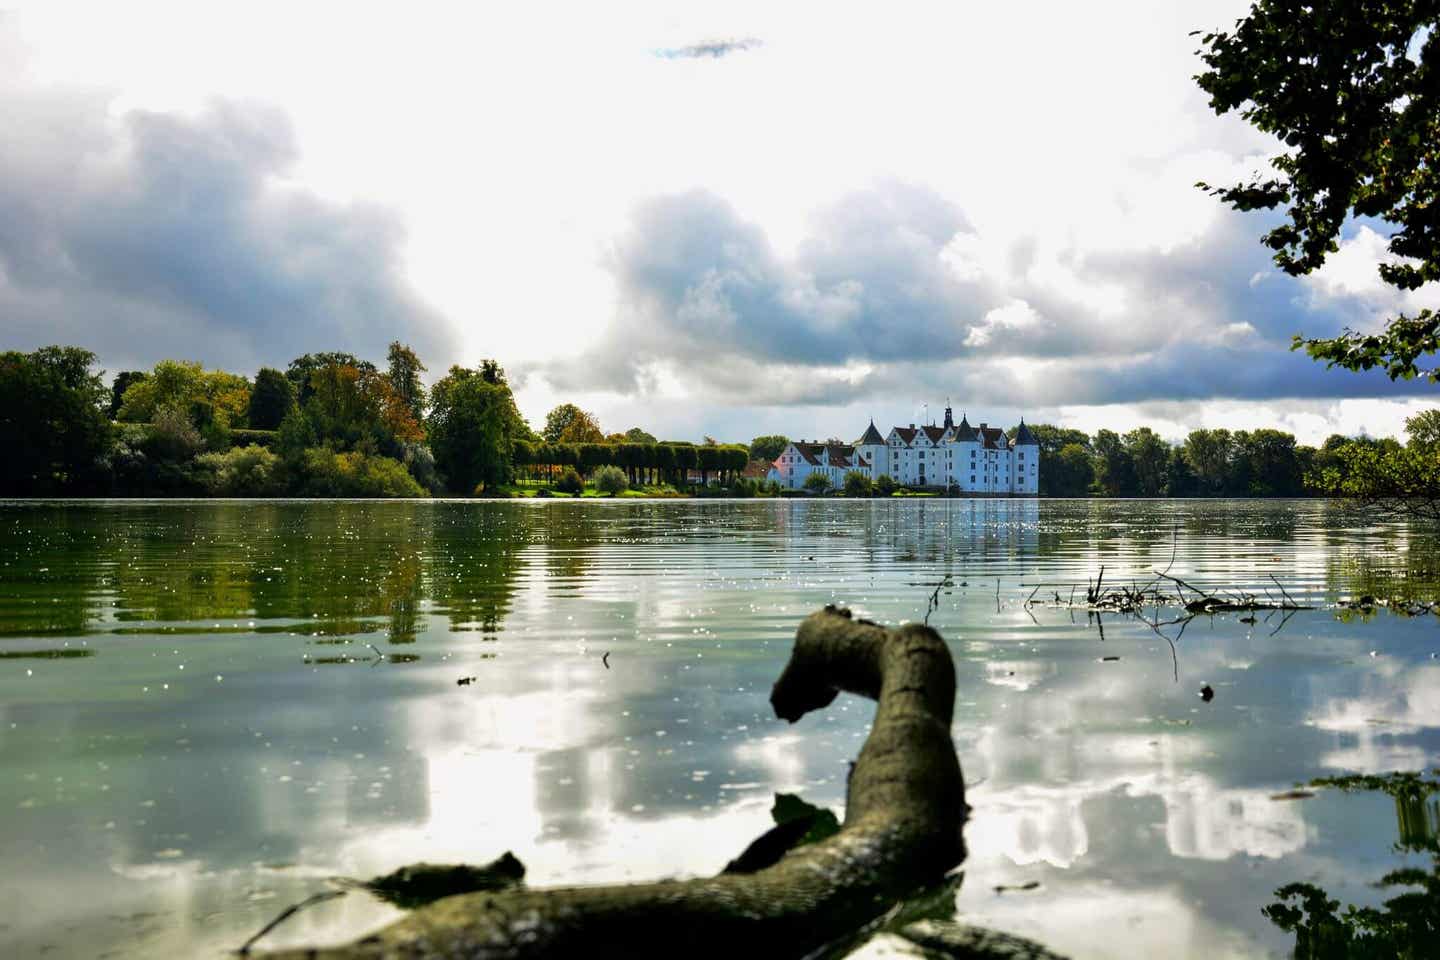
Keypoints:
pixel 902 831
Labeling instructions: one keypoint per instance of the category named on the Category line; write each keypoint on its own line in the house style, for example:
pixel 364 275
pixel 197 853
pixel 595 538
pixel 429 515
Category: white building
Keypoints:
pixel 801 458
pixel 979 460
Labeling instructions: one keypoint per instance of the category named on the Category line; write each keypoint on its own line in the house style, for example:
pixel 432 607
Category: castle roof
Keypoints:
pixel 934 433
pixel 992 438
pixel 907 434
pixel 1024 436
pixel 838 454
pixel 964 433
pixel 872 436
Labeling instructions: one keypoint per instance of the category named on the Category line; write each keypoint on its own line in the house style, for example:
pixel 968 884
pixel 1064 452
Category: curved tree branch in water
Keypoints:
pixel 902 831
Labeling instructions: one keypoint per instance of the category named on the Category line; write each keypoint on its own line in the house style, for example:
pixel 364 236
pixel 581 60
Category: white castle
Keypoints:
pixel 979 460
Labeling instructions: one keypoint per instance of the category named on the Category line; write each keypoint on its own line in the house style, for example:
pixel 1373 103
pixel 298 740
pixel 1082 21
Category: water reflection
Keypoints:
pixel 194 772
pixel 1406 923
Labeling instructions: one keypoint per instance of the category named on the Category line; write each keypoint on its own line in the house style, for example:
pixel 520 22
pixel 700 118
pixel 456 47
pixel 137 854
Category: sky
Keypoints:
pixel 724 219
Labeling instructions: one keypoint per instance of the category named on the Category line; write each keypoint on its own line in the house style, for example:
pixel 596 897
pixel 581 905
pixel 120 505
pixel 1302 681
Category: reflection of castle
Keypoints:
pixel 971 459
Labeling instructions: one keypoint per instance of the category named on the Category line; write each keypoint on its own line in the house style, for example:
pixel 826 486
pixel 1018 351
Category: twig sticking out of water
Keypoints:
pixel 934 603
pixel 286 914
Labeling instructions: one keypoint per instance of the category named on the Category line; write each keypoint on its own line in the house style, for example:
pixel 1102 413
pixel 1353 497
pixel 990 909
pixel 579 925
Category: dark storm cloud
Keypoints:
pixel 147 235
pixel 713 50
pixel 880 299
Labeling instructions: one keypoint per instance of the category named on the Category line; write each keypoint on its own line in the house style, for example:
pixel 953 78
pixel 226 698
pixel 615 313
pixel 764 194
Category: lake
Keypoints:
pixel 207 709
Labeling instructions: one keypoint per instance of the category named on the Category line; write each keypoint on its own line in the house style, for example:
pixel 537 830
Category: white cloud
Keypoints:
pixel 1015 317
pixel 517 143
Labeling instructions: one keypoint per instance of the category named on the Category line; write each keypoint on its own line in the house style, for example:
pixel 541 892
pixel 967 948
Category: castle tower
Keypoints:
pixel 949 415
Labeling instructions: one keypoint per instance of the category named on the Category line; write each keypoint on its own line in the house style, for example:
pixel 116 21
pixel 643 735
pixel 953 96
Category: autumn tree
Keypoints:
pixel 567 423
pixel 404 373
pixel 302 368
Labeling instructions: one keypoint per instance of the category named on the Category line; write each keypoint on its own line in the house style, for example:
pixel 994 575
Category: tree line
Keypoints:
pixel 1232 463
pixel 330 424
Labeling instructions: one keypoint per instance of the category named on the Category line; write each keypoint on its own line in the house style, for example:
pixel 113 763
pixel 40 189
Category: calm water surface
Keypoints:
pixel 208 709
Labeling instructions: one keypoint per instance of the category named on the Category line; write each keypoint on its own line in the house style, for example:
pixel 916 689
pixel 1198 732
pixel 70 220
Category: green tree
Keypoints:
pixel 636 435
pixel 1423 429
pixel 768 447
pixel 404 373
pixel 1208 453
pixel 1180 480
pixel 1052 438
pixel 1114 468
pixel 53 423
pixel 492 372
pixel 818 482
pixel 1069 473
pixel 1151 458
pixel 473 426
pixel 567 423
pixel 1390 479
pixel 885 485
pixel 123 381
pixel 1268 462
pixel 857 484
pixel 207 396
pixel 271 399
pixel 1349 89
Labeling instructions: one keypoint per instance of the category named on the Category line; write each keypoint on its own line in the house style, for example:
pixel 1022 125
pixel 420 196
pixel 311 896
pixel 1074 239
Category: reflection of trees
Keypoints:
pixel 178 563
pixel 328 569
pixel 345 567
pixel 569 534
pixel 1405 926
pixel 475 553
pixel 49 580
pixel 1396 562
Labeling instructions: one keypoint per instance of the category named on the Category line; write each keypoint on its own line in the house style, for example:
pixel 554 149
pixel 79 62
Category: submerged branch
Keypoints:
pixel 902 832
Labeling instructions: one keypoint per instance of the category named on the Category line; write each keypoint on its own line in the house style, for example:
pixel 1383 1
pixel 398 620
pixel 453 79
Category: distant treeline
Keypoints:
pixel 332 424
pixel 1217 462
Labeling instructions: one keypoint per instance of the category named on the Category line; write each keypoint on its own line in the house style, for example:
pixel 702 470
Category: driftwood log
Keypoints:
pixel 903 816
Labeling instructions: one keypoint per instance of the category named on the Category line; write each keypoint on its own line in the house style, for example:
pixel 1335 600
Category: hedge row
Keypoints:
pixel 642 462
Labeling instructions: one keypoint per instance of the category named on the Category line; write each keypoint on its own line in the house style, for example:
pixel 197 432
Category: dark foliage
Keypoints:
pixel 1352 90
pixel 271 399
pixel 54 425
